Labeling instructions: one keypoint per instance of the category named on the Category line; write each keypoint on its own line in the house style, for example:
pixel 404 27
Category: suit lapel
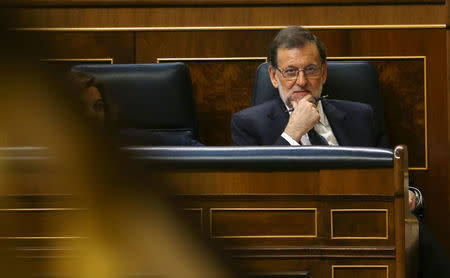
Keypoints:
pixel 338 123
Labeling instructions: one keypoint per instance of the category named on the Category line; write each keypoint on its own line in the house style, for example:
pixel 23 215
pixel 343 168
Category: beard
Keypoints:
pixel 290 96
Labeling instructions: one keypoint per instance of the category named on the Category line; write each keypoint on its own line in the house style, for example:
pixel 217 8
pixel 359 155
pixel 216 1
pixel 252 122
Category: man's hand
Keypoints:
pixel 412 200
pixel 303 118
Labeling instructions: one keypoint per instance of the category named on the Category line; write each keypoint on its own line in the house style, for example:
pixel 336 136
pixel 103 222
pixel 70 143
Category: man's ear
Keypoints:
pixel 324 72
pixel 273 78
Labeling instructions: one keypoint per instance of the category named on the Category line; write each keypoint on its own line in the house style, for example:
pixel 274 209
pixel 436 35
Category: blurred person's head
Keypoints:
pixel 90 93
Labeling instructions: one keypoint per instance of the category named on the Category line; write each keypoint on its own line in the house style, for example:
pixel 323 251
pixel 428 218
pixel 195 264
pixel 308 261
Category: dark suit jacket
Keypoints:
pixel 352 124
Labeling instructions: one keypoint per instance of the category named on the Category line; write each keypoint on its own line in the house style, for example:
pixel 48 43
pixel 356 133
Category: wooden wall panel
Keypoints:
pixel 402 85
pixel 221 88
pixel 229 16
pixel 359 223
pixel 64 65
pixel 320 267
pixel 202 44
pixel 253 222
pixel 350 271
pixel 448 103
pixel 42 223
pixel 109 3
pixel 119 47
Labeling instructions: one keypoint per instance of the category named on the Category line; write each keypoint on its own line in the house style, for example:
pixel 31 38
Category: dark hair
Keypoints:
pixel 78 82
pixel 294 37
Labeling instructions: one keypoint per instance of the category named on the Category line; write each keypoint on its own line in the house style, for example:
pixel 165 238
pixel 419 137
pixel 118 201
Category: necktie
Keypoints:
pixel 316 139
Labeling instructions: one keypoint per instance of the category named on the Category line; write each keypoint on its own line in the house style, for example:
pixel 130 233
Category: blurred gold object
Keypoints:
pixel 70 203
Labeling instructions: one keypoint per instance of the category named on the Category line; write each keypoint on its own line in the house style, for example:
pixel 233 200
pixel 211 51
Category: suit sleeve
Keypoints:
pixel 240 133
pixel 245 132
pixel 281 142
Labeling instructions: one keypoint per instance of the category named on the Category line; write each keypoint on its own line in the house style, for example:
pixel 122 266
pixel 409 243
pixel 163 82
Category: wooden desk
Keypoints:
pixel 345 222
pixel 274 218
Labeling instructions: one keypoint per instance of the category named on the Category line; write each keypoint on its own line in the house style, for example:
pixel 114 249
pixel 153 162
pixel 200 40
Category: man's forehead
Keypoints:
pixel 308 50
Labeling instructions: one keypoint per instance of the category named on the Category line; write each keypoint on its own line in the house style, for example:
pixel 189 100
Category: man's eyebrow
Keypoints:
pixel 294 67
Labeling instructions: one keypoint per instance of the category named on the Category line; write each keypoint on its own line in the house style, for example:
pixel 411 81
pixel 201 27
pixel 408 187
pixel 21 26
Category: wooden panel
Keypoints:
pixel 448 106
pixel 320 267
pixel 325 182
pixel 353 271
pixel 279 214
pixel 221 88
pixel 244 183
pixel 64 65
pixel 355 181
pixel 294 274
pixel 37 184
pixel 44 257
pixel 108 46
pixel 195 217
pixel 202 44
pixel 263 222
pixel 42 223
pixel 38 201
pixel 238 209
pixel 107 3
pixel 359 224
pixel 282 15
pixel 313 266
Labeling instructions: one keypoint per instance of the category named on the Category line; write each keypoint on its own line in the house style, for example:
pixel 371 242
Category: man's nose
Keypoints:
pixel 301 79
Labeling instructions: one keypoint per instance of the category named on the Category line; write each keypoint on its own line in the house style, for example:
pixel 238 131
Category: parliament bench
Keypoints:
pixel 295 212
pixel 276 211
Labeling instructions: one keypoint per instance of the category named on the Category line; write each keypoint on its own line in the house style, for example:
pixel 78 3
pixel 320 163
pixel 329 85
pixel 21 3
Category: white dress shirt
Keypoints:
pixel 322 127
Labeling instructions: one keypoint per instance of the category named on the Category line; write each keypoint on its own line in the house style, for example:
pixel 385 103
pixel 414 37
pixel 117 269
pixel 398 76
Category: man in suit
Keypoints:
pixel 300 116
pixel 298 68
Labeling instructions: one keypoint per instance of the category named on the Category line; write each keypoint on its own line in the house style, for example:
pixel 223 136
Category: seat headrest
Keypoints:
pixel 148 96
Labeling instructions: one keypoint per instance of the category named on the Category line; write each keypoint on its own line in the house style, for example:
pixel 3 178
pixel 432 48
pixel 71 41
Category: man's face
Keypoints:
pixel 298 58
pixel 93 102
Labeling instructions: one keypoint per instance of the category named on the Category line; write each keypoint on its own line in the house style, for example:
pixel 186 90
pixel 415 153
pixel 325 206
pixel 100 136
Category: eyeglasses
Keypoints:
pixel 309 71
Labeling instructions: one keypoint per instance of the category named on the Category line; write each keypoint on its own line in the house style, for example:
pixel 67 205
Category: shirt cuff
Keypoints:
pixel 291 141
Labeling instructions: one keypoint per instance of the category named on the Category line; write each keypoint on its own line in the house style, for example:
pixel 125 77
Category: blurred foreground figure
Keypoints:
pixel 76 207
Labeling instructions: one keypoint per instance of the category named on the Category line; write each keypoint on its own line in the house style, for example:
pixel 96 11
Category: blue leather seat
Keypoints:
pixel 153 97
